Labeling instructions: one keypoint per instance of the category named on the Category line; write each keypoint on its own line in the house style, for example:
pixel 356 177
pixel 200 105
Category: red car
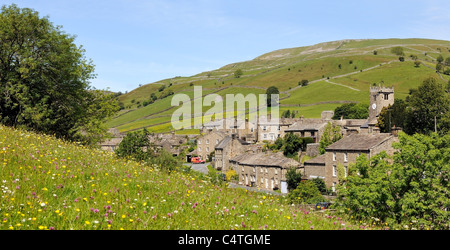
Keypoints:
pixel 197 160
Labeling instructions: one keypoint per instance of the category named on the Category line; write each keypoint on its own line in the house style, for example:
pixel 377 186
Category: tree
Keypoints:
pixel 417 63
pixel 330 135
pixel 44 78
pixel 320 184
pixel 394 115
pixel 351 111
pixel 303 82
pixel 306 193
pixel 447 61
pixel 398 51
pixel 440 59
pixel 427 105
pixel 269 92
pixel 410 188
pixel 135 145
pixel 292 144
pixel 97 106
pixel 293 178
pixel 286 114
pixel 238 73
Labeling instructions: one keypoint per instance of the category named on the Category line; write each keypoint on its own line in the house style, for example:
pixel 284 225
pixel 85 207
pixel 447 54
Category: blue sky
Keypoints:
pixel 134 42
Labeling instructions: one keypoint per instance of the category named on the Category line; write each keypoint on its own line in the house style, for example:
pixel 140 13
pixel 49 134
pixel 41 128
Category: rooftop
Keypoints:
pixel 359 142
pixel 269 159
pixel 223 143
pixel 306 126
pixel 319 160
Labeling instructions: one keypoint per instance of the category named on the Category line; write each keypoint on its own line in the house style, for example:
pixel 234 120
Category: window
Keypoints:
pixel 207 141
pixel 279 128
pixel 334 156
pixel 199 141
pixel 199 149
pixel 265 136
pixel 207 149
pixel 217 141
pixel 251 130
pixel 334 170
pixel 345 171
pixel 264 128
pixel 345 157
pixel 386 96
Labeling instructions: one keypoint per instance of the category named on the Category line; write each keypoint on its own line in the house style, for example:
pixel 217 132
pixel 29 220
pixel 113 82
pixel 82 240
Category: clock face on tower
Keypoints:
pixel 374 106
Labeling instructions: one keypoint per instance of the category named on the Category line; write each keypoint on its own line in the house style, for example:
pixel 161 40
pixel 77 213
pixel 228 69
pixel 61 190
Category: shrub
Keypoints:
pixel 398 51
pixel 306 193
pixel 293 178
pixel 320 184
pixel 231 175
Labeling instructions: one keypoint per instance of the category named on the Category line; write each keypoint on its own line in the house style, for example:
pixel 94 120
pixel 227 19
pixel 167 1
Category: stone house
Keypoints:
pixel 344 152
pixel 111 144
pixel 271 129
pixel 310 128
pixel 207 142
pixel 315 167
pixel 228 148
pixel 265 170
pixel 171 142
pixel 244 129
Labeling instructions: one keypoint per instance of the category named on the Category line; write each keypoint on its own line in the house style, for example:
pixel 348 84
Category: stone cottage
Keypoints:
pixel 228 148
pixel 344 152
pixel 265 170
pixel 207 142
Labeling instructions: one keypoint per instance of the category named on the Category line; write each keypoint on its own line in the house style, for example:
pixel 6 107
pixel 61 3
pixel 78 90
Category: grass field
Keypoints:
pixel 350 63
pixel 50 184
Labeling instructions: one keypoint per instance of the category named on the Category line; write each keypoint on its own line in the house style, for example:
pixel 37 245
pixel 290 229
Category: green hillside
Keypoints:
pixel 337 72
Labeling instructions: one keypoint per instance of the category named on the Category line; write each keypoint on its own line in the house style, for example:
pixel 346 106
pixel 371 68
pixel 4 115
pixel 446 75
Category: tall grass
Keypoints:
pixel 47 183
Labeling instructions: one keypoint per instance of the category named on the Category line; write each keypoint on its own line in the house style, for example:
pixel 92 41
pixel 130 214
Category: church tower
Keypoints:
pixel 379 97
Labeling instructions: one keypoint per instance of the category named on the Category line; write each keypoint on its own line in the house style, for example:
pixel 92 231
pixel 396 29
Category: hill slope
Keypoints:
pixel 338 72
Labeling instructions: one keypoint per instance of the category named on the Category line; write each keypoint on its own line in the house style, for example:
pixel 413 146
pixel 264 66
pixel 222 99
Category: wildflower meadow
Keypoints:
pixel 51 184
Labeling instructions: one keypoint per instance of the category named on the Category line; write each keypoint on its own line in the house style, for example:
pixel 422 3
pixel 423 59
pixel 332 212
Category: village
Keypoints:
pixel 241 147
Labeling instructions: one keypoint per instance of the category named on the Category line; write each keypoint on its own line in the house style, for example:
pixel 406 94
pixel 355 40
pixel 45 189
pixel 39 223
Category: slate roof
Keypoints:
pixel 225 141
pixel 112 142
pixel 359 142
pixel 306 126
pixel 319 160
pixel 268 159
